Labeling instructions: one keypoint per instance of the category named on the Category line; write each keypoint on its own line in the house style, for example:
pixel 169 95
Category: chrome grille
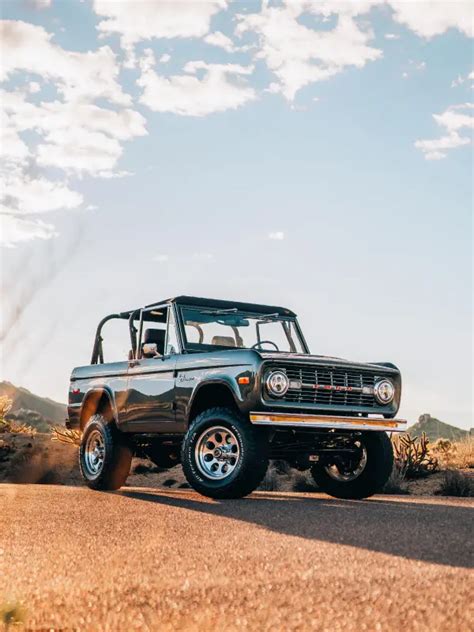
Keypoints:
pixel 319 385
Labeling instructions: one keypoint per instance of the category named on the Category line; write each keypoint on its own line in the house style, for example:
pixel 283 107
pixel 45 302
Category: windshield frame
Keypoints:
pixel 209 348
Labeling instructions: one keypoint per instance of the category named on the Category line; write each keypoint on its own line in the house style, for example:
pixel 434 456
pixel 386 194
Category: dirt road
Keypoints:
pixel 150 559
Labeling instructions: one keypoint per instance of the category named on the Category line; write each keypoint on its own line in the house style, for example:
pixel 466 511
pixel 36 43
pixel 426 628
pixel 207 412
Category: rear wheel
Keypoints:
pixel 361 475
pixel 223 456
pixel 104 455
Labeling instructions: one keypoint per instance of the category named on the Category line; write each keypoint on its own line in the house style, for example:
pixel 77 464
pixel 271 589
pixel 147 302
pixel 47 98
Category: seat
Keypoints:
pixel 156 336
pixel 223 341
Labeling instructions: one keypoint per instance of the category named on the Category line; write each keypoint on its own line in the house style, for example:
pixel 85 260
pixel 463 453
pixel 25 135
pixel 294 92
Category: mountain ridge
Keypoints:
pixel 24 402
pixel 436 429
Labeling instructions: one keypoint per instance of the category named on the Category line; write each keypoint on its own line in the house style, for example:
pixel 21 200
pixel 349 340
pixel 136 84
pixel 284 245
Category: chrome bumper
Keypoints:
pixel 328 421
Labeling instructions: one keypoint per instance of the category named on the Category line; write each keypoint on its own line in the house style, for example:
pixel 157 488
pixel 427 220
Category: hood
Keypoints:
pixel 306 358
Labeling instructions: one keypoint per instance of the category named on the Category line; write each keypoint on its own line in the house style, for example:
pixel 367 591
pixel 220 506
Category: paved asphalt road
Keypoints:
pixel 150 559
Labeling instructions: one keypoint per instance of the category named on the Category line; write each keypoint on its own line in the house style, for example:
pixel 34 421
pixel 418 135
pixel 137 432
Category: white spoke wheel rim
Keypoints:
pixel 217 453
pixel 338 473
pixel 94 453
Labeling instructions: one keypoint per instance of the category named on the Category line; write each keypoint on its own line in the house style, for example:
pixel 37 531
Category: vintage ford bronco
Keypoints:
pixel 222 387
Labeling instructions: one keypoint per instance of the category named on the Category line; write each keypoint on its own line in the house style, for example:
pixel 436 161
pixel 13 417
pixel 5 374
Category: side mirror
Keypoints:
pixel 150 349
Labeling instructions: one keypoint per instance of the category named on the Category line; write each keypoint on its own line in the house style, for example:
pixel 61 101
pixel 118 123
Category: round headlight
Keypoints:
pixel 384 391
pixel 277 383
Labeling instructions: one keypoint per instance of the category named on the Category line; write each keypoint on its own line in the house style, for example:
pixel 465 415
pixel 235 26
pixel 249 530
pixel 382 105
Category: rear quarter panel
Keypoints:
pixel 111 377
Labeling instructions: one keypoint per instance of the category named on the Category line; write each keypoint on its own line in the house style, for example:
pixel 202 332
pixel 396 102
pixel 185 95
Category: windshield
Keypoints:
pixel 208 328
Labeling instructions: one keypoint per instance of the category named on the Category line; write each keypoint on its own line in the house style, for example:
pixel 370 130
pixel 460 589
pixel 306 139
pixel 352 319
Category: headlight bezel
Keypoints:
pixel 380 391
pixel 281 378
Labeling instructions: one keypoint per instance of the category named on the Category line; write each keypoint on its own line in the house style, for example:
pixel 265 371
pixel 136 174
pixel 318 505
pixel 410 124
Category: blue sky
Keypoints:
pixel 275 153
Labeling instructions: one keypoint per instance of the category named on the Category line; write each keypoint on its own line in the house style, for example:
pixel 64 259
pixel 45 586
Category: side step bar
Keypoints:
pixel 327 421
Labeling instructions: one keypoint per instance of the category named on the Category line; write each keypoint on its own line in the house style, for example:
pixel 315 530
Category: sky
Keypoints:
pixel 316 155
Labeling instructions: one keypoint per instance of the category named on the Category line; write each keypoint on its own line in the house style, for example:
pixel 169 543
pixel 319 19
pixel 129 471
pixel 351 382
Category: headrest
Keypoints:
pixel 154 335
pixel 223 341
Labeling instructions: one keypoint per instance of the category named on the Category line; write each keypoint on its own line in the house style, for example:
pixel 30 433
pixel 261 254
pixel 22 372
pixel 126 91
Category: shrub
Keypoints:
pixel 270 483
pixel 303 482
pixel 412 456
pixel 396 484
pixel 456 483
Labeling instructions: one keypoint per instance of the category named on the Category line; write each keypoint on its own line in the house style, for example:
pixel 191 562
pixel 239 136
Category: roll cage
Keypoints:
pixel 173 306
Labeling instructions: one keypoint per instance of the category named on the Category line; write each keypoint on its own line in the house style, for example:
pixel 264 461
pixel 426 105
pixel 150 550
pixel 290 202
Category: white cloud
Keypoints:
pixel 453 120
pixel 42 4
pixel 299 55
pixel 14 230
pixel 392 36
pixel 26 47
pixel 221 41
pixel 26 195
pixel 72 134
pixel 277 235
pixel 434 17
pixel 165 58
pixel 160 258
pixel 136 22
pixel 218 90
pixel 460 80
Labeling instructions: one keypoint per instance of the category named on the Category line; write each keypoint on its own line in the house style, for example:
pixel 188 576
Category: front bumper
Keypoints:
pixel 327 421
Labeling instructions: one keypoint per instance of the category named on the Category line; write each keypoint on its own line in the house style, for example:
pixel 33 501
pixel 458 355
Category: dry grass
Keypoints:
pixel 456 483
pixel 462 456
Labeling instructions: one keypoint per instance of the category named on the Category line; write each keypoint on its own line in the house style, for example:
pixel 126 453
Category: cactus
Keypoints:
pixel 64 435
pixel 412 456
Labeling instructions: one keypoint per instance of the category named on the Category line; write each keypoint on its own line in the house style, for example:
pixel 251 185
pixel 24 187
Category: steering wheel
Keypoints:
pixel 265 342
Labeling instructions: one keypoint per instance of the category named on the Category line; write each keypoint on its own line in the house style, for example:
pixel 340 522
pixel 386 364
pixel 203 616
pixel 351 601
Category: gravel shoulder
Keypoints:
pixel 149 559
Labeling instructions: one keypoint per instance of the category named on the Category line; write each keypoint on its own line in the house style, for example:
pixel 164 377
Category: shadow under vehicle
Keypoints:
pixel 222 387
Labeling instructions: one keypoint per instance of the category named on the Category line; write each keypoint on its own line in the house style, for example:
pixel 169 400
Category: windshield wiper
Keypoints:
pixel 215 312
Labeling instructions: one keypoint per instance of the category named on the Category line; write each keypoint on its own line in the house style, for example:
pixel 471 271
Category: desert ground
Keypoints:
pixel 155 559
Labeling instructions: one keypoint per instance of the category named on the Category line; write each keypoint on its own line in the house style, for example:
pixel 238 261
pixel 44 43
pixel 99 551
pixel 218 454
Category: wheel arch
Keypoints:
pixel 98 400
pixel 216 393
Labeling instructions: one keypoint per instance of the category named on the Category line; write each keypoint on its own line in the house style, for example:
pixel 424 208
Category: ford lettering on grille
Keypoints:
pixel 330 386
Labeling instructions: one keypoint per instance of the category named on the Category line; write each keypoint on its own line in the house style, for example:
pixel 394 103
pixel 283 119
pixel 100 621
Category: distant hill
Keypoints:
pixel 29 408
pixel 436 429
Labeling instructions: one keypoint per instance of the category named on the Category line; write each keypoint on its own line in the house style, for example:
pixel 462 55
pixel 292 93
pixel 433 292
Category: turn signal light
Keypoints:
pixel 243 380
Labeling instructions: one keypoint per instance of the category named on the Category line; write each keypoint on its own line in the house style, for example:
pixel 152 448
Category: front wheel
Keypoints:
pixel 104 455
pixel 223 455
pixel 361 475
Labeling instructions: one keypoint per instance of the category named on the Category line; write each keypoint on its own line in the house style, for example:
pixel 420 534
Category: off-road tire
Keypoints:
pixel 252 463
pixel 117 455
pixel 371 480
